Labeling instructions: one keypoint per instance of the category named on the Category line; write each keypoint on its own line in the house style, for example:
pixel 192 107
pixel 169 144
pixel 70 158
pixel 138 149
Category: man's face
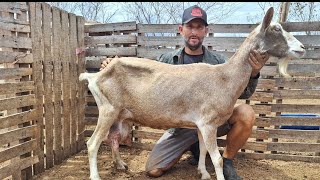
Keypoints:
pixel 193 33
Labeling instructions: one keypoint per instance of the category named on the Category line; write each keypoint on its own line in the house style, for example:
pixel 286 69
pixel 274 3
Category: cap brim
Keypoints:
pixel 195 18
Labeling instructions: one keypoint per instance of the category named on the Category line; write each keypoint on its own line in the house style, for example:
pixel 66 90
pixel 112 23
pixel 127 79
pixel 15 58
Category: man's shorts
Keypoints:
pixel 172 145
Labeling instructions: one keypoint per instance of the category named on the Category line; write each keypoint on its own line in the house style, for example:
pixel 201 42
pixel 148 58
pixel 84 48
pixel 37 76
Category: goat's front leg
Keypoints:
pixel 105 120
pixel 209 135
pixel 202 158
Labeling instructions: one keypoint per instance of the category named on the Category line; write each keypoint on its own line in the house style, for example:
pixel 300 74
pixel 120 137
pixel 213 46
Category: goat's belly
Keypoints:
pixel 158 121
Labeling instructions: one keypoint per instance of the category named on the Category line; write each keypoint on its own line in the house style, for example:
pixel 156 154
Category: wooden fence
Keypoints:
pixel 41 120
pixel 274 95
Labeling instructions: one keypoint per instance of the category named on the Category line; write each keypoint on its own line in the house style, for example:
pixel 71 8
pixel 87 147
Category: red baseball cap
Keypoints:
pixel 194 12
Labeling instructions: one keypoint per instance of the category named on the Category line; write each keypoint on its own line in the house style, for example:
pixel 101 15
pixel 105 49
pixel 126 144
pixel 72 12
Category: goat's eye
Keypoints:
pixel 277 28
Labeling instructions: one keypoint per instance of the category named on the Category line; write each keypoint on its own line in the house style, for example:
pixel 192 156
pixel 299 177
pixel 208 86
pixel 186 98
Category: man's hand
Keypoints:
pixel 105 63
pixel 257 61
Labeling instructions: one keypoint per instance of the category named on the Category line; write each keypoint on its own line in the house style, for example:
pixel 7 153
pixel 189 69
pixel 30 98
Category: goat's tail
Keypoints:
pixel 85 76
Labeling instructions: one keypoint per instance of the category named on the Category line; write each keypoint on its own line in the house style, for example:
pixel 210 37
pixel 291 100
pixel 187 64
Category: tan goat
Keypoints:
pixel 165 96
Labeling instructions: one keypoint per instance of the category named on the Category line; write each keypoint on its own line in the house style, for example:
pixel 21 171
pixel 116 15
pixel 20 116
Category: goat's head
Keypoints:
pixel 278 42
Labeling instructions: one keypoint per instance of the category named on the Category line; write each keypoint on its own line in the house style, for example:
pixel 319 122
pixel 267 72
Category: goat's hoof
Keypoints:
pixel 204 174
pixel 95 178
pixel 122 166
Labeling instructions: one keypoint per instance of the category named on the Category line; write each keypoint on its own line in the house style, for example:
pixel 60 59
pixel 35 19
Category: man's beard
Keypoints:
pixel 192 47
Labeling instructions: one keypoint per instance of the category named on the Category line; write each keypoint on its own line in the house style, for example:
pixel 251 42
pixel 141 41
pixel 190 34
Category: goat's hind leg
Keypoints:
pixel 209 135
pixel 202 158
pixel 107 115
pixel 115 137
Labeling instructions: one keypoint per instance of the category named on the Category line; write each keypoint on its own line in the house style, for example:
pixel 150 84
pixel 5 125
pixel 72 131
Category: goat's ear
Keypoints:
pixel 267 19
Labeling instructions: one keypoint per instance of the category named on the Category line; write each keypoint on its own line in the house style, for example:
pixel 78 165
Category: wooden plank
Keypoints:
pixel 293 146
pixel 120 51
pixel 65 83
pixel 15 42
pixel 16 73
pixel 18 118
pixel 296 94
pixel 13 21
pixel 262 96
pixel 266 84
pixel 81 68
pixel 35 17
pixel 91 120
pixel 110 27
pixel 263 121
pixel 262 108
pixel 282 157
pixel 15 57
pixel 298 121
pixel 146 135
pixel 13 7
pixel 16 87
pixel 17 134
pixel 154 53
pixel 309 41
pixel 213 28
pixel 294 134
pixel 18 150
pixel 17 102
pixel 298 83
pixel 47 79
pixel 18 166
pixel 217 43
pixel 256 146
pixel 15 27
pixel 295 108
pixel 114 39
pixel 293 69
pixel 260 134
pixel 301 26
pixel 57 57
pixel 92 110
pixel 74 81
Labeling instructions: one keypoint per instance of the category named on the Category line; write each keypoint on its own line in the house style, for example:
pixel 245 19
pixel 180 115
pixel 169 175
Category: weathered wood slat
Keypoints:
pixel 18 150
pixel 263 121
pixel 256 146
pixel 18 118
pixel 81 68
pixel 18 57
pixel 261 109
pixel 114 39
pixel 146 135
pixel 296 94
pixel 57 58
pixel 294 134
pixel 293 146
pixel 15 27
pixel 298 83
pixel 259 134
pixel 283 157
pixel 16 87
pixel 93 110
pixel 13 21
pixel 262 96
pixel 110 27
pixel 74 81
pixel 15 42
pixel 301 26
pixel 65 44
pixel 36 35
pixel 10 73
pixel 17 102
pixel 295 108
pixel 293 69
pixel 120 51
pixel 299 121
pixel 14 7
pixel 18 166
pixel 17 134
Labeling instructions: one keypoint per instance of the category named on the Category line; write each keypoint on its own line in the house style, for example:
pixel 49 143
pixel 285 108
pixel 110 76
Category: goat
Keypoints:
pixel 162 96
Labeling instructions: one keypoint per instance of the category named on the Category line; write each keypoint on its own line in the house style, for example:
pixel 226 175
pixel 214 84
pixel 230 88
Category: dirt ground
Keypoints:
pixel 77 167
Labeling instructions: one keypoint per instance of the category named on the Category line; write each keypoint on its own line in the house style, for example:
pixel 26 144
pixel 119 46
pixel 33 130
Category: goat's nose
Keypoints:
pixel 302 46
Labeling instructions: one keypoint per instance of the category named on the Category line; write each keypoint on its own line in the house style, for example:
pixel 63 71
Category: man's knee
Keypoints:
pixel 245 115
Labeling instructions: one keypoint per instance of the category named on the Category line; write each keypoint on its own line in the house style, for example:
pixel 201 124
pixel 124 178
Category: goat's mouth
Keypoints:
pixel 299 53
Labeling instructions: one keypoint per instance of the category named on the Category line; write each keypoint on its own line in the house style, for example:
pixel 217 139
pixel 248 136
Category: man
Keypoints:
pixel 171 146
